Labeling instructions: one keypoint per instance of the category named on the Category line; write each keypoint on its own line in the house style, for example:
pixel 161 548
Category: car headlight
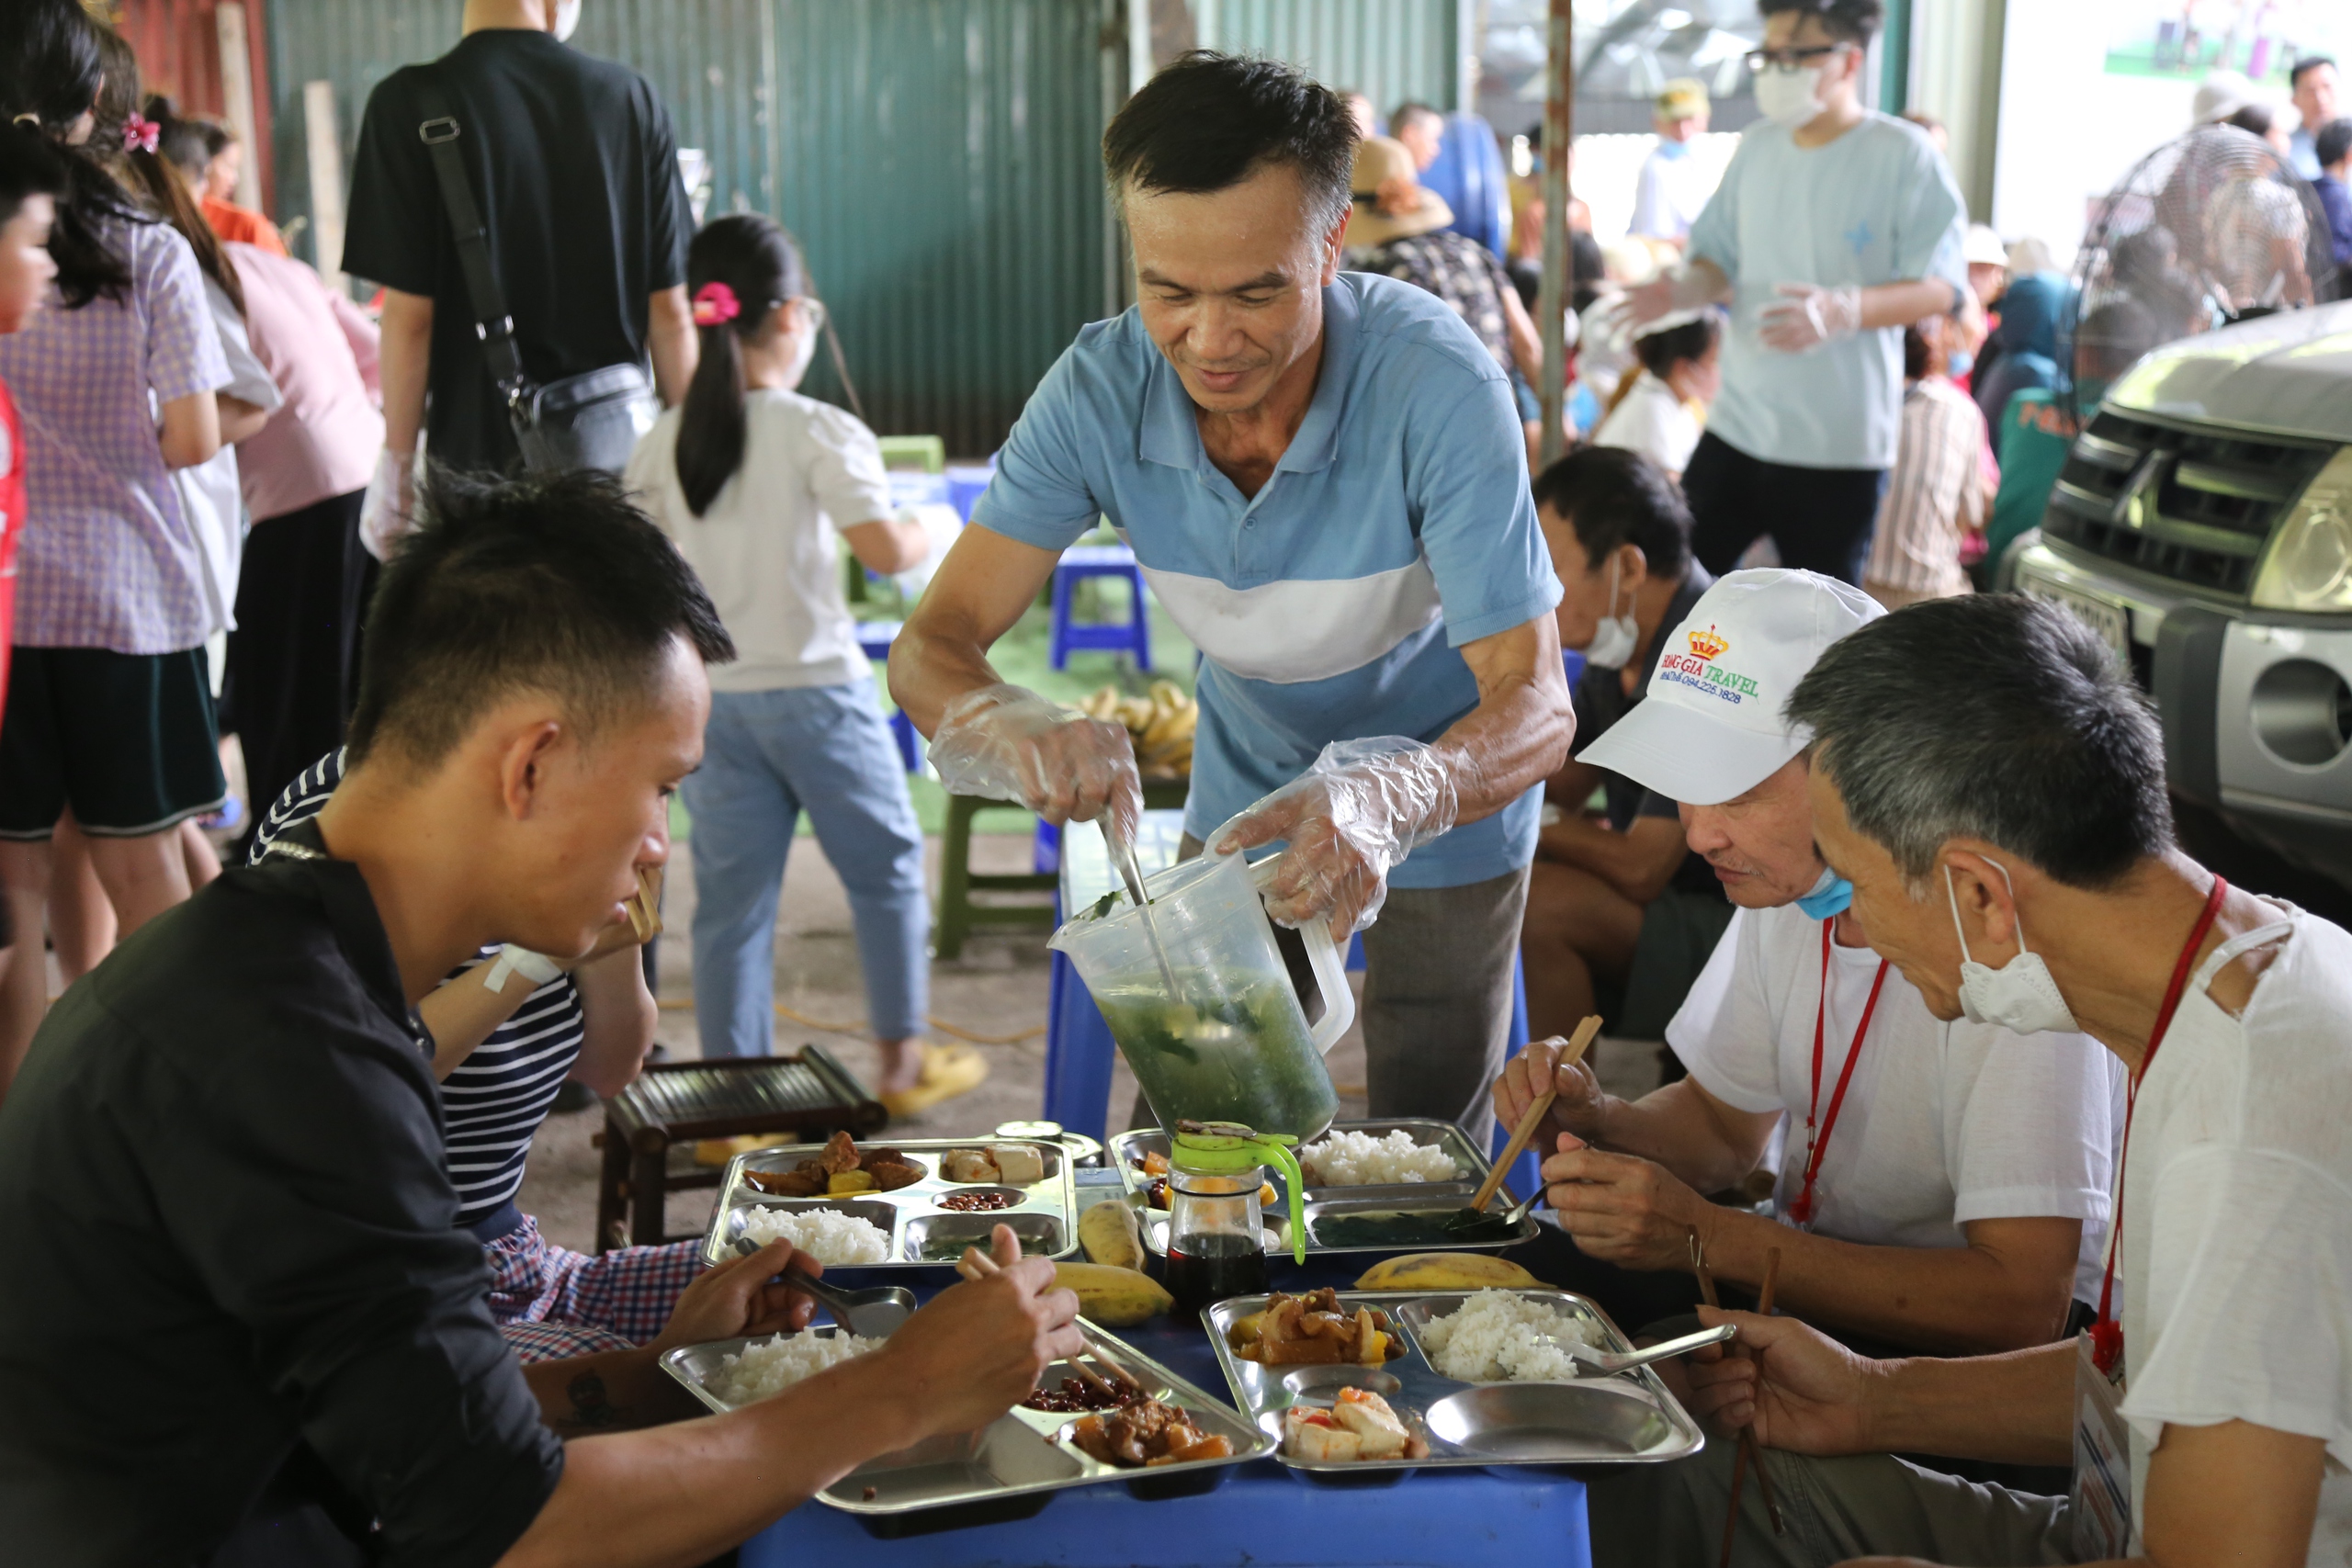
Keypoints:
pixel 2308 563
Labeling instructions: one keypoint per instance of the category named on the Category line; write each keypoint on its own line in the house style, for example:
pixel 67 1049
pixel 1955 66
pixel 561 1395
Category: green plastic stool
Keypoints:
pixel 927 452
pixel 958 915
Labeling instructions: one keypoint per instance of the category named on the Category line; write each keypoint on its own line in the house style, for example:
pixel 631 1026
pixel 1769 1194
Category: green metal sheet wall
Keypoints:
pixel 1391 51
pixel 937 158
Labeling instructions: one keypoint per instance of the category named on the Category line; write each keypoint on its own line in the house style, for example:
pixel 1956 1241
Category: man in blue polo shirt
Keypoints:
pixel 1324 481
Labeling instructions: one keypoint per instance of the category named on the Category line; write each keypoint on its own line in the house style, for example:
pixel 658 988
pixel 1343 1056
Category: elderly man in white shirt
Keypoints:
pixel 1942 1185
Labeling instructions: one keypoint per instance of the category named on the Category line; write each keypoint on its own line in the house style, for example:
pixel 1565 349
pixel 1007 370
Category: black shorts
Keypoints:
pixel 129 740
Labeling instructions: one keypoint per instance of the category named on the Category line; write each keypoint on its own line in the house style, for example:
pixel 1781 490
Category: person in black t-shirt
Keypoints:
pixel 238 1322
pixel 575 168
pixel 1621 914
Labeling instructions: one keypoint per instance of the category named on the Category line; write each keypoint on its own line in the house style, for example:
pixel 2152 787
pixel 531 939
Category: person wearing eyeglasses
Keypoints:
pixel 1835 228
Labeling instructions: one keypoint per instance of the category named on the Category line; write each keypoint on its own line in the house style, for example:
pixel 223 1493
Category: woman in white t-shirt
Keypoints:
pixel 1659 408
pixel 757 484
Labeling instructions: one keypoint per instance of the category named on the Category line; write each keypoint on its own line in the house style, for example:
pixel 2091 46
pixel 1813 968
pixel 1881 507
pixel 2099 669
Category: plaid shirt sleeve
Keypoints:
pixel 184 356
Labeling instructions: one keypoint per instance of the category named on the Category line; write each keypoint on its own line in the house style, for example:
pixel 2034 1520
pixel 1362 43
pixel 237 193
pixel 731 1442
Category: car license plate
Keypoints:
pixel 2110 620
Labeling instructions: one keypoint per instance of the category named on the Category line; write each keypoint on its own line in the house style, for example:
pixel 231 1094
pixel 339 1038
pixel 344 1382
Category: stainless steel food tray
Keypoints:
pixel 1013 1455
pixel 1625 1418
pixel 1378 1198
pixel 1045 1217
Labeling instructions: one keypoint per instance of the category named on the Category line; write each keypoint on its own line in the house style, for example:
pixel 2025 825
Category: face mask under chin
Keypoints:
pixel 2020 996
pixel 1614 639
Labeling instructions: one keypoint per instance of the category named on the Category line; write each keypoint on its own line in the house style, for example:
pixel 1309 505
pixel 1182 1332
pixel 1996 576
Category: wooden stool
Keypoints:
pixel 959 916
pixel 678 1102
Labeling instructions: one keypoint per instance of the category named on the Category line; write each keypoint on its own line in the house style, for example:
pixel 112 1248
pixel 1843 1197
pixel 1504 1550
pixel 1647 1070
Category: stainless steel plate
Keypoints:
pixel 1014 1454
pixel 1627 1418
pixel 1044 1215
pixel 1126 1148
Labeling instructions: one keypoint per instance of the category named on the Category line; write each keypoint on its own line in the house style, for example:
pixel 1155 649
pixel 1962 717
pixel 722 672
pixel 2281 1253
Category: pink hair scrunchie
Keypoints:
pixel 715 305
pixel 140 133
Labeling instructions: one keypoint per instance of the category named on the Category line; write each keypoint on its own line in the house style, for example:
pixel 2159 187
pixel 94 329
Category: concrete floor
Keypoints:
pixel 996 987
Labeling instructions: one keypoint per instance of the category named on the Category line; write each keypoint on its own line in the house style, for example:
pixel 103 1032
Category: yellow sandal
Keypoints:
pixel 948 1071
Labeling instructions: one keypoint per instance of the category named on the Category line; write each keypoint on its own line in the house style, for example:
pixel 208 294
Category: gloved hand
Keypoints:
pixel 1680 290
pixel 1806 317
pixel 1348 819
pixel 384 518
pixel 1006 742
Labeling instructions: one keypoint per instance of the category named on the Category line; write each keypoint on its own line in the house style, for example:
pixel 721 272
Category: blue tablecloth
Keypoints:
pixel 1260 1514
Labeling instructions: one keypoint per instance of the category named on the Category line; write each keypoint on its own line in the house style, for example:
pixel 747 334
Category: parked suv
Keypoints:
pixel 2203 525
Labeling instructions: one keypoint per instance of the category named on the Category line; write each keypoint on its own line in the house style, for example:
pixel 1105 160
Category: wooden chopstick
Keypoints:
pixel 978 1265
pixel 1748 1455
pixel 1579 1044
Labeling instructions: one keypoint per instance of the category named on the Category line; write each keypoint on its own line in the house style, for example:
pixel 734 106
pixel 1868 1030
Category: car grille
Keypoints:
pixel 2193 506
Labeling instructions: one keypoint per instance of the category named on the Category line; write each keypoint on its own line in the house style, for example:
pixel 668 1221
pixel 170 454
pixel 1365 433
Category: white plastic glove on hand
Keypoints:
pixel 1680 290
pixel 1006 742
pixel 1348 820
pixel 1806 317
pixel 384 518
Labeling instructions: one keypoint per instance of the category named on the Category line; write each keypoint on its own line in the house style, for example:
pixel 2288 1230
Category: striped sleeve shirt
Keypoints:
pixel 1933 496
pixel 493 1101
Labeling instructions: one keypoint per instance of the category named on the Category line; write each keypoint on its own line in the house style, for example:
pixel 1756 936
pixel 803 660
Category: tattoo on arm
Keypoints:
pixel 591 1410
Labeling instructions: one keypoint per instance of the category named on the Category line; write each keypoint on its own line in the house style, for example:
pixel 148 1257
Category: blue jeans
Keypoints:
pixel 767 756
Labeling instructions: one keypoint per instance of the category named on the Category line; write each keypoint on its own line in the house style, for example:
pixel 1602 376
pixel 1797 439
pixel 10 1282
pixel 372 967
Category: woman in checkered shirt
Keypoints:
pixel 1941 488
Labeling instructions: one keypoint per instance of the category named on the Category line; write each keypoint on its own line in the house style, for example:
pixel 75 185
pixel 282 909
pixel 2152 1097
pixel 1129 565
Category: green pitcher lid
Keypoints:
pixel 1209 1148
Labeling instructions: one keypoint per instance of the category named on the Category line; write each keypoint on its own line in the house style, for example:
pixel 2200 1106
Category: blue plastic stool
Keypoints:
pixel 1132 635
pixel 965 483
pixel 873 638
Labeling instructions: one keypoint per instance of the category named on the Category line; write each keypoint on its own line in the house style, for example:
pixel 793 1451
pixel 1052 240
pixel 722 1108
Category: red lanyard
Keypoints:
pixel 1800 1209
pixel 2107 1334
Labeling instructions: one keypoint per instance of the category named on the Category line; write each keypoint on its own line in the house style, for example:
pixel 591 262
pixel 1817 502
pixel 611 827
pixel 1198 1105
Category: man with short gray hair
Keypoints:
pixel 1993 784
pixel 1324 481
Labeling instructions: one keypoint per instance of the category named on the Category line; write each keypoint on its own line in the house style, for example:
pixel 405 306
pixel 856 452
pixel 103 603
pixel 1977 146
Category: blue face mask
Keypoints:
pixel 1961 362
pixel 1830 896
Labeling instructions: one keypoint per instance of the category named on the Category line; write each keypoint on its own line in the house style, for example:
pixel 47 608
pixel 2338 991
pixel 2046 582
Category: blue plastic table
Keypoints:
pixel 1260 1513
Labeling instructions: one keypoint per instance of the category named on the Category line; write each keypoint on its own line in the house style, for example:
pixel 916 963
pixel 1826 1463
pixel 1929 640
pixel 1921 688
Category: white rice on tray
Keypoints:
pixel 1359 1159
pixel 767 1366
pixel 1493 1338
pixel 826 1234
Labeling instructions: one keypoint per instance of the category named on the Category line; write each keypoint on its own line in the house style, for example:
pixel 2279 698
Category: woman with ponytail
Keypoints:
pixel 110 706
pixel 1661 403
pixel 757 483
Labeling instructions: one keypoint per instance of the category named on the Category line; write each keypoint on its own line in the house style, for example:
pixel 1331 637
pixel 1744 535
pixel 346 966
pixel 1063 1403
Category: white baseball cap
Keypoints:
pixel 1983 247
pixel 2221 94
pixel 1711 728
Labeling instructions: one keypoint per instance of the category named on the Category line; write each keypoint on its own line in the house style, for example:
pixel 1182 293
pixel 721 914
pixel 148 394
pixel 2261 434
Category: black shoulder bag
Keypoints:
pixel 589 421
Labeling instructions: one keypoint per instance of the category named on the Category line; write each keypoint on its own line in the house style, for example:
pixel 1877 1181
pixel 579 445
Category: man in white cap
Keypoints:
pixel 1943 1186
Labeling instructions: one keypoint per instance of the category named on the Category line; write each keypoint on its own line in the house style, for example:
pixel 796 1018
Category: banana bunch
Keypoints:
pixel 1161 725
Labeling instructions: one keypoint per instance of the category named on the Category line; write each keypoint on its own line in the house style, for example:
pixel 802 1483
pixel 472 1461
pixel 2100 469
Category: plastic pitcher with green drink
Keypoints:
pixel 1232 1043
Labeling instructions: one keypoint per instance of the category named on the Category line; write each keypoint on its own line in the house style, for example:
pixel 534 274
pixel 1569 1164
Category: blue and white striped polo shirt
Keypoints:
pixel 1331 605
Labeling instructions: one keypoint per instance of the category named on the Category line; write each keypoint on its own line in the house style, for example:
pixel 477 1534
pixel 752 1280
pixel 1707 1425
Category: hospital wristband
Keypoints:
pixel 536 967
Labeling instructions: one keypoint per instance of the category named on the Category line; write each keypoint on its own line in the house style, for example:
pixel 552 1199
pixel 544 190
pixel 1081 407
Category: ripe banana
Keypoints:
pixel 1111 1235
pixel 1115 1297
pixel 1445 1271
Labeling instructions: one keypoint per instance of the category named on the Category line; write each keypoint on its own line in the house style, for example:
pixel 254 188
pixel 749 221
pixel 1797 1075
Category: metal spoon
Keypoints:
pixel 1625 1361
pixel 869 1314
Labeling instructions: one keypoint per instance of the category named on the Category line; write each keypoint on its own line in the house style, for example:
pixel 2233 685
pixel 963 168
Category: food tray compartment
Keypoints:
pixel 1622 1418
pixel 1045 1214
pixel 1129 1147
pixel 1041 1235
pixel 1015 1454
pixel 1154 1223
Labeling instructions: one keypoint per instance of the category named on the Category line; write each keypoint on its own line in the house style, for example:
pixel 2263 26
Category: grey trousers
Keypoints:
pixel 1670 1516
pixel 1436 1012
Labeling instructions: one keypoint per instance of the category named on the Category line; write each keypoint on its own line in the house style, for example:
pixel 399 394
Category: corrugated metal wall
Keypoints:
pixel 937 158
pixel 1393 51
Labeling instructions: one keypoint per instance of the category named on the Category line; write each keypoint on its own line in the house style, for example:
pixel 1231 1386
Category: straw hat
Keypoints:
pixel 1389 201
pixel 1685 97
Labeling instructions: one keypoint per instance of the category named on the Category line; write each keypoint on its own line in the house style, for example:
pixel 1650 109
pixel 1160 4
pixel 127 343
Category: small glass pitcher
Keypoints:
pixel 1216 1243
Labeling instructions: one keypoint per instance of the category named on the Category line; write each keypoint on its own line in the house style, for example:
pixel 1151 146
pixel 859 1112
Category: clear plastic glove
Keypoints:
pixel 1006 742
pixel 384 516
pixel 1680 290
pixel 1349 820
pixel 1806 317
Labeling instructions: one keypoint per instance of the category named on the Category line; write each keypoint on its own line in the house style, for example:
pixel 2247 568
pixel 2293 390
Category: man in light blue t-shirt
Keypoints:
pixel 1834 229
pixel 1323 478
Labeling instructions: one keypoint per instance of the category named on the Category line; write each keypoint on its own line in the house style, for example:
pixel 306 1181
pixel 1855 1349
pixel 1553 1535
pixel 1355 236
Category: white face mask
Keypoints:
pixel 2020 995
pixel 567 18
pixel 1789 97
pixel 1615 638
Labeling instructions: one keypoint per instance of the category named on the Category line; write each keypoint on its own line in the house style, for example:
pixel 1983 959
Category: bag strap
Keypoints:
pixel 493 324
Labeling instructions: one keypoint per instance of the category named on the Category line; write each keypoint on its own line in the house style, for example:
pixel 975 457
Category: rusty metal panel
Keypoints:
pixel 937 159
pixel 1393 51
